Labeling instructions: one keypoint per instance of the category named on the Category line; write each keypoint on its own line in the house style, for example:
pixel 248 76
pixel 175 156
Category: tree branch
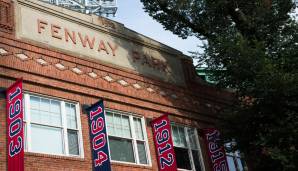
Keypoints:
pixel 179 17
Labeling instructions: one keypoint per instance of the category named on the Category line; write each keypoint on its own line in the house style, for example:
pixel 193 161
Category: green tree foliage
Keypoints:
pixel 255 46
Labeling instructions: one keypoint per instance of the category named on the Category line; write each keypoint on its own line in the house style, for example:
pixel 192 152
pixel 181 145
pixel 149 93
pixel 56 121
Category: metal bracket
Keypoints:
pixel 148 121
pixel 85 108
pixel 2 92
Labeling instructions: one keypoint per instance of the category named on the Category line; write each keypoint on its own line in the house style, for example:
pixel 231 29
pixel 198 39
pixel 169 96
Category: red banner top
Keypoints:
pixel 15 130
pixel 215 150
pixel 164 144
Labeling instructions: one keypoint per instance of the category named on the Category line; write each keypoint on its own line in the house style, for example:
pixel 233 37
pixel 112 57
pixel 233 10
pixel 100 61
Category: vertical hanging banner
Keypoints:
pixel 164 144
pixel 216 151
pixel 98 137
pixel 15 131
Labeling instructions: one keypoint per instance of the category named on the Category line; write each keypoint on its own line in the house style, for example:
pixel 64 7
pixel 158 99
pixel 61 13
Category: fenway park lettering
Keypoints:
pixel 98 137
pixel 163 144
pixel 96 43
pixel 15 134
pixel 216 151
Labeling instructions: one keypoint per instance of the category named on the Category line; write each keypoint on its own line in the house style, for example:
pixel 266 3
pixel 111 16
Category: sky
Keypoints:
pixel 131 14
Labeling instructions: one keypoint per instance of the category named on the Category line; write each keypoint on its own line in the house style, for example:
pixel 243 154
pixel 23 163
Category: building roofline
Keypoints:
pixel 112 28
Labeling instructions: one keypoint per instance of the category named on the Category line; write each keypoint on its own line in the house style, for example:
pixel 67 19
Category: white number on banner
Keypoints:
pixel 15 126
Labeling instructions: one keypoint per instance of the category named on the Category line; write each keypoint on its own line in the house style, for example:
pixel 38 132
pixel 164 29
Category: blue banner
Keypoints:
pixel 99 137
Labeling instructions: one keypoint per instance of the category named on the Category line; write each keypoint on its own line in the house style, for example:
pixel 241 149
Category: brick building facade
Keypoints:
pixel 68 60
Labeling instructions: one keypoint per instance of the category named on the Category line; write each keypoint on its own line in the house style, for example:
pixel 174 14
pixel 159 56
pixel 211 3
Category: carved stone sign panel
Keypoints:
pixel 64 33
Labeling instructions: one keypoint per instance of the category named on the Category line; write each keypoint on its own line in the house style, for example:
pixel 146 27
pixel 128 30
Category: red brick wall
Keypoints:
pixel 6 16
pixel 51 162
pixel 3 153
pixel 194 105
pixel 185 104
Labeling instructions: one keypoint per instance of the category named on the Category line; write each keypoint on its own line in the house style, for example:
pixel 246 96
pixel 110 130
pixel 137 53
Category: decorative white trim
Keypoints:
pixel 92 74
pixel 162 93
pixel 122 82
pixel 150 89
pixel 3 51
pixel 174 96
pixel 60 66
pixel 108 78
pixel 41 61
pixel 77 70
pixel 22 56
pixel 137 86
pixel 208 105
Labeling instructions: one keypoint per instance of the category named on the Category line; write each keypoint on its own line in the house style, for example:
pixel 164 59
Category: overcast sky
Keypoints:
pixel 132 15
